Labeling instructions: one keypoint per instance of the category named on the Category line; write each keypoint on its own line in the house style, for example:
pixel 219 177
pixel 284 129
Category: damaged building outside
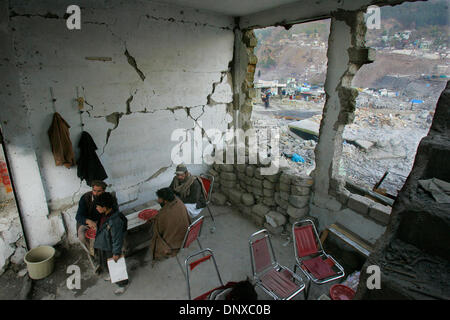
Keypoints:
pixel 139 70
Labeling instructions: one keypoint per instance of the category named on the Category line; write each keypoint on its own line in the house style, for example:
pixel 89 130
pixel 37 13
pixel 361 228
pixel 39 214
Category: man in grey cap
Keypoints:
pixel 189 189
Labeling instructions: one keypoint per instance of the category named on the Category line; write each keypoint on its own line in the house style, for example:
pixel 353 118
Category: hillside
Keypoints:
pixel 301 51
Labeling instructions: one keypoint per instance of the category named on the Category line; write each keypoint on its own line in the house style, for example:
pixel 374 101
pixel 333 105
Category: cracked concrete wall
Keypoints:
pixel 244 71
pixel 346 54
pixel 159 67
pixel 23 160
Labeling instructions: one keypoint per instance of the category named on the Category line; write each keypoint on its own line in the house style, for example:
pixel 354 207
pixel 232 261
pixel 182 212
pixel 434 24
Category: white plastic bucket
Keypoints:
pixel 40 262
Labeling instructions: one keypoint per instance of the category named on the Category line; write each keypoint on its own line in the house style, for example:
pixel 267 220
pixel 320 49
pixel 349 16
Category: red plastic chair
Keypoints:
pixel 208 183
pixel 276 280
pixel 318 266
pixel 192 234
pixel 191 266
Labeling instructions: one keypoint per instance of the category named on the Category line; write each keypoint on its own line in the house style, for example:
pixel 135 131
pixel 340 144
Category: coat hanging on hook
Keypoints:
pixel 60 141
pixel 89 165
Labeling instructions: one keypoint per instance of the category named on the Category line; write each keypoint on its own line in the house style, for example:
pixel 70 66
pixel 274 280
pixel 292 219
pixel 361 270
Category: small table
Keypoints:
pixel 132 214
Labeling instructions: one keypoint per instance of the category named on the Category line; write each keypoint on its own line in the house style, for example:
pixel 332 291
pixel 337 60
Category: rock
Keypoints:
pixel 228 184
pixel 302 180
pixel 296 212
pixel 260 210
pixel 285 187
pixel 272 178
pixel 227 167
pixel 300 191
pixel 275 219
pixel 343 196
pixel 268 192
pixel 248 199
pixel 285 178
pixel 364 144
pixel 230 176
pixel 269 201
pixel 245 210
pixel 257 183
pixel 241 176
pixel 299 201
pixel 282 210
pixel 235 196
pixel 219 198
pixel 241 168
pixel 258 174
pixel 359 203
pixel 268 185
pixel 250 171
pixel 307 126
pixel 284 195
pixel 380 213
pixel 257 191
pixel 259 221
pixel 213 172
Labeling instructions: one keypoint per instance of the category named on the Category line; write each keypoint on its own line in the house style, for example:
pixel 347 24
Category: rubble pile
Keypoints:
pixel 377 141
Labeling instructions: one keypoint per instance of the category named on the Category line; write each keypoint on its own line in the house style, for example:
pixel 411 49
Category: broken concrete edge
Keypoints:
pixel 417 222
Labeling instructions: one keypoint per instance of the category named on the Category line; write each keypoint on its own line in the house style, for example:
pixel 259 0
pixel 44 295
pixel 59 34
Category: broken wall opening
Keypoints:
pixel 291 67
pixel 397 96
pixel 362 212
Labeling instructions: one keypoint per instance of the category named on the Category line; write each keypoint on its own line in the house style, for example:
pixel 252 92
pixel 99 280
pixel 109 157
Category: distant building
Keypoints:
pixel 274 87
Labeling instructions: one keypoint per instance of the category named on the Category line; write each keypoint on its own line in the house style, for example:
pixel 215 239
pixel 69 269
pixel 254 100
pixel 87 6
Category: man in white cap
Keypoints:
pixel 189 189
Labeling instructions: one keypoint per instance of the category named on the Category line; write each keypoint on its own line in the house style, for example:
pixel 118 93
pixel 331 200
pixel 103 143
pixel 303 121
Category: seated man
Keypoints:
pixel 169 225
pixel 110 235
pixel 87 215
pixel 189 189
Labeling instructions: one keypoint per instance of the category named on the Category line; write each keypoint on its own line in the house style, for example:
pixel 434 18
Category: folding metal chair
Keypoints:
pixel 208 183
pixel 276 280
pixel 192 265
pixel 318 266
pixel 192 234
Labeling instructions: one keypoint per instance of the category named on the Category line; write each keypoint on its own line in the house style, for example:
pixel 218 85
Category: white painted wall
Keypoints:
pixel 183 53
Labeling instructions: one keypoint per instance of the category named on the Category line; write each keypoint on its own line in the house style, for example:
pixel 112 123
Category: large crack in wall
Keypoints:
pixel 103 116
pixel 132 61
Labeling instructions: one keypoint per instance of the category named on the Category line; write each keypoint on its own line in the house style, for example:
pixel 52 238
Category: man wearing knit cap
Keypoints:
pixel 189 189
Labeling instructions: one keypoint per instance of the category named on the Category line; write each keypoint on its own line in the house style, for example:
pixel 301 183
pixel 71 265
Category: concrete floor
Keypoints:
pixel 165 280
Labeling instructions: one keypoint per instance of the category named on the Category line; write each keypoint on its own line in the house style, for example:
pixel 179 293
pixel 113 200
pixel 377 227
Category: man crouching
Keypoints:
pixel 110 235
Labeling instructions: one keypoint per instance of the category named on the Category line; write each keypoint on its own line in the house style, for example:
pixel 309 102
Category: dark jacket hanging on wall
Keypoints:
pixel 60 142
pixel 89 165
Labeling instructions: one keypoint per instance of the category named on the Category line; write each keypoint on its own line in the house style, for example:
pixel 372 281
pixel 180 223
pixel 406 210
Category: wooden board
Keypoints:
pixel 352 240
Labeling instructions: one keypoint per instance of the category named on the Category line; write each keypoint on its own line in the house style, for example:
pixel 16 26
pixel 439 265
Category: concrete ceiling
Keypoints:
pixel 231 7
